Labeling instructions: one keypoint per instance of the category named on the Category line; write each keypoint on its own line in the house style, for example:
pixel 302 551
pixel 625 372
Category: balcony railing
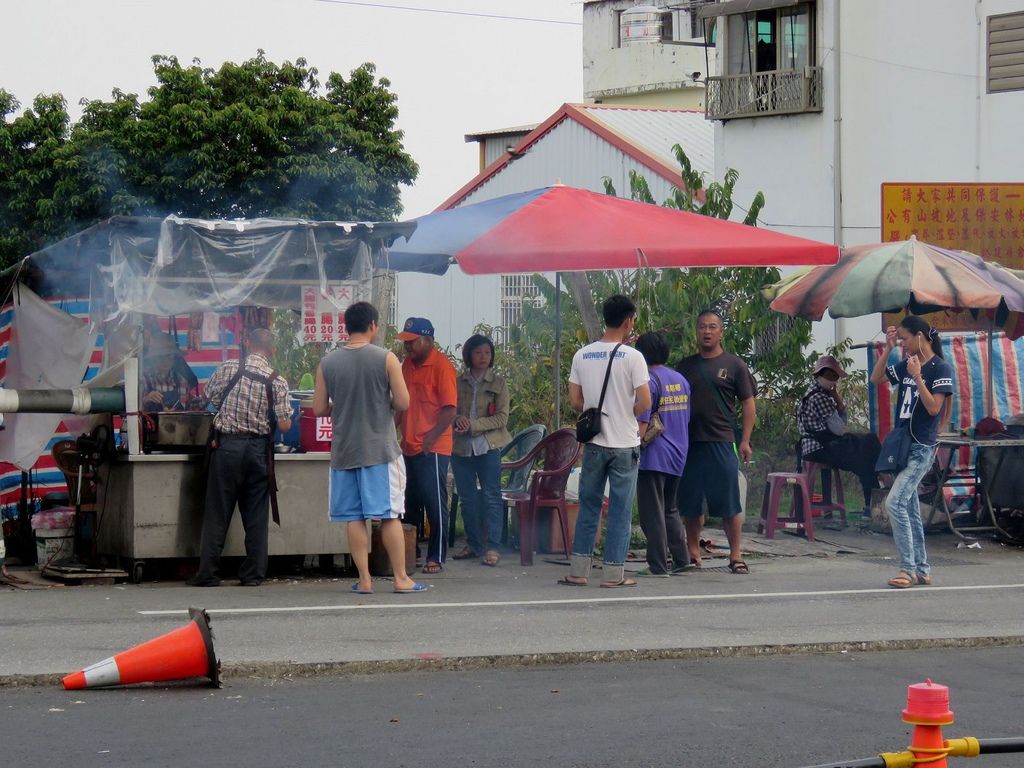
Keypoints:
pixel 779 92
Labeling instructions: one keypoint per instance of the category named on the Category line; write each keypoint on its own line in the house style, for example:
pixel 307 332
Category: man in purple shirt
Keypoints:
pixel 662 460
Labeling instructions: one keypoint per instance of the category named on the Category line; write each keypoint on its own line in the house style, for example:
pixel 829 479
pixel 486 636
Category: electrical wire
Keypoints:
pixel 443 11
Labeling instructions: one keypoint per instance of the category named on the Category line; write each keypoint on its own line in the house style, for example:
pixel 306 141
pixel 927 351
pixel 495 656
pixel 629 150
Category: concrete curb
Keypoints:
pixel 274 670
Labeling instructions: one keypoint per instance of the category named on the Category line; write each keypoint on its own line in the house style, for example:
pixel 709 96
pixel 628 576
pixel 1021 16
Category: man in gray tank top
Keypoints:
pixel 360 386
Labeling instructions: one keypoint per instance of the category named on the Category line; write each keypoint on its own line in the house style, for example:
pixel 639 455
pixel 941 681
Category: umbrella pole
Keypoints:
pixel 558 349
pixel 991 389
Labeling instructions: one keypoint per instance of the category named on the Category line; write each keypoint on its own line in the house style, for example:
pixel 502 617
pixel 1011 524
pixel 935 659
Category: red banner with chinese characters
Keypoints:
pixel 323 312
pixel 324 429
pixel 985 219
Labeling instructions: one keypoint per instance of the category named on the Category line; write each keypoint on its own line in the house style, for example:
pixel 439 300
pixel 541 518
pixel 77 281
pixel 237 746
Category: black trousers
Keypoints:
pixel 426 488
pixel 856 453
pixel 238 475
pixel 660 521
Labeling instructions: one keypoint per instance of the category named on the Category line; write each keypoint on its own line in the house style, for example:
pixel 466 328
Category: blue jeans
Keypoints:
pixel 481 508
pixel 905 510
pixel 617 467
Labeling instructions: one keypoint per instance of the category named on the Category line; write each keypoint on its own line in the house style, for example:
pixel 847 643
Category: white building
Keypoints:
pixel 819 102
pixel 578 146
pixel 644 55
pixel 815 102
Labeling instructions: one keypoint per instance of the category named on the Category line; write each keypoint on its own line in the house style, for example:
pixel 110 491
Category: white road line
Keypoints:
pixel 587 600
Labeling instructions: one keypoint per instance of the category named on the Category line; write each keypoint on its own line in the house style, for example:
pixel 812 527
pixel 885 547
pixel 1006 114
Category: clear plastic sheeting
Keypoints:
pixel 175 266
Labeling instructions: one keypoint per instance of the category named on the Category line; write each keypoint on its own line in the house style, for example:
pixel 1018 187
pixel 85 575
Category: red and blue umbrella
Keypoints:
pixel 565 229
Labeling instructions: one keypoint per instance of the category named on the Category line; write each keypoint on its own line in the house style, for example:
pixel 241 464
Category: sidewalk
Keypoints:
pixel 828 595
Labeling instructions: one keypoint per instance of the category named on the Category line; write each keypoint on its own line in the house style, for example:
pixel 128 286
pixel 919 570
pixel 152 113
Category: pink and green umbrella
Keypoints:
pixel 909 274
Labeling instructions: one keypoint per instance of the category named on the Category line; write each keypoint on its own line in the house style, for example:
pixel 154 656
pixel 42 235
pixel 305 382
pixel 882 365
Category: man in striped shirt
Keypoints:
pixel 253 402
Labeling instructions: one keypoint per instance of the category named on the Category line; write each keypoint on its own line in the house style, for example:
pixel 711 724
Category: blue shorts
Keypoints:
pixel 712 472
pixel 368 493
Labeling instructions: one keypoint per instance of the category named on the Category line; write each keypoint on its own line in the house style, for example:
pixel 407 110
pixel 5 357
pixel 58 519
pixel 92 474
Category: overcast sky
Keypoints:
pixel 455 67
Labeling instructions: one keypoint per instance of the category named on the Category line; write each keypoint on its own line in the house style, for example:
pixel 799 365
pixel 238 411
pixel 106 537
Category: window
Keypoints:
pixel 667 27
pixel 766 341
pixel 770 40
pixel 768 60
pixel 1005 71
pixel 514 289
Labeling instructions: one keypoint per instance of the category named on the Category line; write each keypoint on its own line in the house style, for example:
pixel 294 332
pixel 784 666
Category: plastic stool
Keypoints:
pixel 802 484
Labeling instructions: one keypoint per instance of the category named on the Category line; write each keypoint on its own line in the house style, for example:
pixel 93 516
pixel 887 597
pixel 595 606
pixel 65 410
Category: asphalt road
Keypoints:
pixel 768 711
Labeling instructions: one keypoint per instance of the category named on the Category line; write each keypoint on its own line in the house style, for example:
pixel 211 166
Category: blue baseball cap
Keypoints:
pixel 415 327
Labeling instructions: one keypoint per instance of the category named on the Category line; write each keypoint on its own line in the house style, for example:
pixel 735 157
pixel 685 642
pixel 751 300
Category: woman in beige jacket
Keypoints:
pixel 480 434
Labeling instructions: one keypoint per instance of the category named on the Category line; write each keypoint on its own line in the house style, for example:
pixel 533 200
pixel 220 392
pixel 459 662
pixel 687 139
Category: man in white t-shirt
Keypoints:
pixel 613 456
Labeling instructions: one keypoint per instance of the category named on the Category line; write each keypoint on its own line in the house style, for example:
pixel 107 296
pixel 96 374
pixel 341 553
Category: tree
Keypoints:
pixel 246 140
pixel 33 156
pixel 669 300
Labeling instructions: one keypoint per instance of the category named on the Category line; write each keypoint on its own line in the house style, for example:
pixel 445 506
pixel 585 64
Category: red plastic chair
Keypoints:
pixel 802 485
pixel 559 452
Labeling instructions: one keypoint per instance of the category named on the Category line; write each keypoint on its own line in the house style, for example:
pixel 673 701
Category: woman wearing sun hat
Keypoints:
pixel 821 418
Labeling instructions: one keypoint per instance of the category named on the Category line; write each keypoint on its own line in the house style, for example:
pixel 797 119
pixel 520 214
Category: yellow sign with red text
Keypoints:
pixel 985 219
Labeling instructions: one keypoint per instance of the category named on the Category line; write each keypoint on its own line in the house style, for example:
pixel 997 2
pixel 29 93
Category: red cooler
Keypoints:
pixel 310 432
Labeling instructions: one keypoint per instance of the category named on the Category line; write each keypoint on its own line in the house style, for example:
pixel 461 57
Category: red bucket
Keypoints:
pixel 310 432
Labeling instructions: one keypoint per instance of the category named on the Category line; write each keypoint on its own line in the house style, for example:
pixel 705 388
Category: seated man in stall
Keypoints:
pixel 168 384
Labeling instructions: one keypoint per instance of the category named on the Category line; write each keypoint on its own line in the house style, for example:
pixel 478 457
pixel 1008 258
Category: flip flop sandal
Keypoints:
pixel 491 558
pixel 464 554
pixel 618 584
pixel 923 579
pixel 358 591
pixel 738 567
pixel 903 580
pixel 433 568
pixel 417 587
pixel 564 581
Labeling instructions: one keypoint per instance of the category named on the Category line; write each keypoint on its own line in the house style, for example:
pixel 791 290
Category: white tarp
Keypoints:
pixel 48 349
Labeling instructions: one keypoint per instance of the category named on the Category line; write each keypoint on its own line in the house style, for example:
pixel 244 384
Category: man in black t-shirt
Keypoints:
pixel 717 381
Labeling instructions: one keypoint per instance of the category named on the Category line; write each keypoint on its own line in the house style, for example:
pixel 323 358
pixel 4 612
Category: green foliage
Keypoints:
pixel 525 357
pixel 293 357
pixel 246 140
pixel 34 158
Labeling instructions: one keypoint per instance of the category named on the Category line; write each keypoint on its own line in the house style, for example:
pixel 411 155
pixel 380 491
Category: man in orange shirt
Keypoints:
pixel 427 432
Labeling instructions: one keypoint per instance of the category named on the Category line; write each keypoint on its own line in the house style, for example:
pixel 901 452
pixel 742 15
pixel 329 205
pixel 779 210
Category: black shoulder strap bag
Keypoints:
pixel 589 424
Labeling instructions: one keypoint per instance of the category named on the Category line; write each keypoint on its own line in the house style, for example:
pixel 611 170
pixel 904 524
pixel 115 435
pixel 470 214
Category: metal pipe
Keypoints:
pixel 80 400
pixel 983 747
pixel 839 329
pixel 558 350
pixel 1000 746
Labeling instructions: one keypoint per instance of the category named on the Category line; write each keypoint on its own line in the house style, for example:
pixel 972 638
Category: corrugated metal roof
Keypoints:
pixel 519 129
pixel 641 134
pixel 656 130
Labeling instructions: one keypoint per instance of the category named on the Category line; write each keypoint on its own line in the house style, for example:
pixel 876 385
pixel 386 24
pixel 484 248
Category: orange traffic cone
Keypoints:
pixel 928 710
pixel 185 652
